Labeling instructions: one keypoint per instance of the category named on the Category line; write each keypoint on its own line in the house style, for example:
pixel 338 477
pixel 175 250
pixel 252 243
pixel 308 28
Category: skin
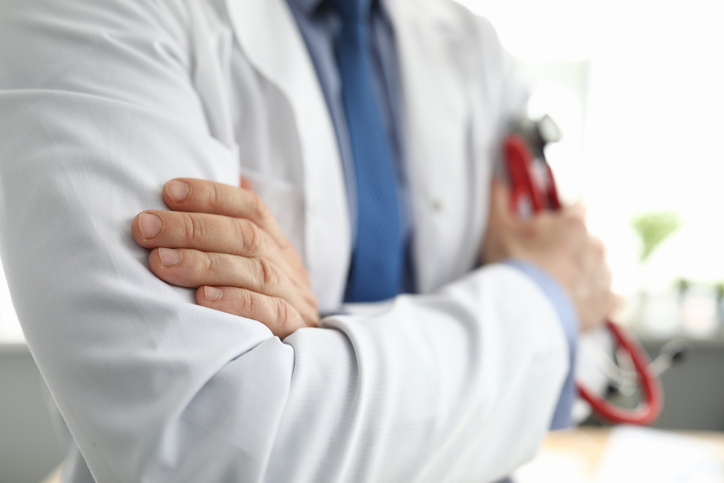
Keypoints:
pixel 559 244
pixel 224 241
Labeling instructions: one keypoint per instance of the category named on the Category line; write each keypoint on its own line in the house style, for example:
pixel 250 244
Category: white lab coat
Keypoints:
pixel 102 102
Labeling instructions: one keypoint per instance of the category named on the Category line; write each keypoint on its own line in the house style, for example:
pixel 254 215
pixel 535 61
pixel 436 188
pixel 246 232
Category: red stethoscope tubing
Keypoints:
pixel 651 394
pixel 519 158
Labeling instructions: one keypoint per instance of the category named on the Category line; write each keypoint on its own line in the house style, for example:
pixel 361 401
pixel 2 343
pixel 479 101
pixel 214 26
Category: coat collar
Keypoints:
pixel 435 116
pixel 269 37
pixel 307 6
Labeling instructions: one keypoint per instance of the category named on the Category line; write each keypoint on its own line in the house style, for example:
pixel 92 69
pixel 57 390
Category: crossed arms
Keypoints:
pixel 153 386
pixel 223 241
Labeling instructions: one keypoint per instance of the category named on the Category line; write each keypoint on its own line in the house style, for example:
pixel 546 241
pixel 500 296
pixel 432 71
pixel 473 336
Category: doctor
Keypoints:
pixel 102 103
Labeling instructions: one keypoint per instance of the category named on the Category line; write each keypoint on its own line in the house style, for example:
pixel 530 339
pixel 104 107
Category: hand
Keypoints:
pixel 225 241
pixel 559 244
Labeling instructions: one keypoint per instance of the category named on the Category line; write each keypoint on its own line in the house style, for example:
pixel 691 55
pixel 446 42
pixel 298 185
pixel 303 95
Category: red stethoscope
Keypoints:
pixel 534 190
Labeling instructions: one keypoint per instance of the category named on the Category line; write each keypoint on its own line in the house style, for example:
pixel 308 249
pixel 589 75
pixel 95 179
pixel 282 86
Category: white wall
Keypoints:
pixel 652 119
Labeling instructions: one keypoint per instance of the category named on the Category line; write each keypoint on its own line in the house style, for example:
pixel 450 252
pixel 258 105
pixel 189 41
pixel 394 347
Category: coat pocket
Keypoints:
pixel 285 201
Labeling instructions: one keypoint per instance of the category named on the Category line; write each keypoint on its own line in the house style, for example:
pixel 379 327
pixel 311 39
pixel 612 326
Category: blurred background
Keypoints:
pixel 637 88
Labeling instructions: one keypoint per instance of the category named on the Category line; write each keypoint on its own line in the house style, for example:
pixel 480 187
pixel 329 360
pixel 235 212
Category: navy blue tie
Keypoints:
pixel 376 271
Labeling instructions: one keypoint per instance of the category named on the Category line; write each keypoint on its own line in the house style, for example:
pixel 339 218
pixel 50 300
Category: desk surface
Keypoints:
pixel 604 454
pixel 584 449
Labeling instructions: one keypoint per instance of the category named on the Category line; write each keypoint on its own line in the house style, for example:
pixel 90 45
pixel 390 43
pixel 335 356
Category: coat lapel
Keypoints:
pixel 446 172
pixel 269 37
pixel 446 177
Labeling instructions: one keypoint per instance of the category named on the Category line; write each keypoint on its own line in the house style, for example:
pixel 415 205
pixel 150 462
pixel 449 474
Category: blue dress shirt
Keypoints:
pixel 319 26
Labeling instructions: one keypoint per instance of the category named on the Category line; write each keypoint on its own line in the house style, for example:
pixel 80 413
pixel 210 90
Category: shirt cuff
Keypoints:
pixel 562 417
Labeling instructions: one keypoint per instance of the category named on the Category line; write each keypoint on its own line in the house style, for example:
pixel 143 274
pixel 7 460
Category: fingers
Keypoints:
pixel 570 227
pixel 281 318
pixel 599 247
pixel 224 240
pixel 496 245
pixel 211 233
pixel 596 301
pixel 500 202
pixel 202 196
pixel 594 258
pixel 559 243
pixel 245 183
pixel 577 210
pixel 193 268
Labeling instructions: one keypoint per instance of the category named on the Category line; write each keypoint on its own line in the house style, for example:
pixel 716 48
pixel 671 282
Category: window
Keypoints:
pixel 636 86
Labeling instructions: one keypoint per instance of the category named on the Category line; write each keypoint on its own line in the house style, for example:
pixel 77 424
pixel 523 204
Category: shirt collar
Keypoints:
pixel 308 7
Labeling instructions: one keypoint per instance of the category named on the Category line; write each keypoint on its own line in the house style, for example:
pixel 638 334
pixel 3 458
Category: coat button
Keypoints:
pixel 437 205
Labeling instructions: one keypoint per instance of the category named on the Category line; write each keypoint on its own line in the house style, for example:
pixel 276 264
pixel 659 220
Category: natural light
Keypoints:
pixel 646 137
pixel 637 89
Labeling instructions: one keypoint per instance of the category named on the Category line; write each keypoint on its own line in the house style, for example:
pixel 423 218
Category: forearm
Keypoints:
pixel 135 366
pixel 442 373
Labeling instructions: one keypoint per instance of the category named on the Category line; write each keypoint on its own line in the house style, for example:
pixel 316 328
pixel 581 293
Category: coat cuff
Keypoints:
pixel 562 417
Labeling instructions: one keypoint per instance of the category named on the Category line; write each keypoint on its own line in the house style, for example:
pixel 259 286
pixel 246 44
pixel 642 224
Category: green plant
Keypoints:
pixel 654 227
pixel 719 291
pixel 682 285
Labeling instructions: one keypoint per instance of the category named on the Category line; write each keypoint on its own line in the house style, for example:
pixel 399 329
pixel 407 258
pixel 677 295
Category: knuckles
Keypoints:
pixel 269 274
pixel 598 247
pixel 257 208
pixel 248 236
pixel 207 264
pixel 282 317
pixel 193 228
pixel 245 304
pixel 576 228
pixel 214 197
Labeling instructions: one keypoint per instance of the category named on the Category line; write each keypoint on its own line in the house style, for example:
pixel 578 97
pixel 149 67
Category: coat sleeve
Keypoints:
pixel 97 111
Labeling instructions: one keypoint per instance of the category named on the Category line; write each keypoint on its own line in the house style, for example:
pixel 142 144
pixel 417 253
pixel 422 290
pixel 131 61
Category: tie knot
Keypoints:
pixel 352 10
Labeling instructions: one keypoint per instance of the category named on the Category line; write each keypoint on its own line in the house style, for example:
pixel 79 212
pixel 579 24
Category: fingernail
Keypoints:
pixel 245 183
pixel 212 293
pixel 177 190
pixel 169 257
pixel 150 225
